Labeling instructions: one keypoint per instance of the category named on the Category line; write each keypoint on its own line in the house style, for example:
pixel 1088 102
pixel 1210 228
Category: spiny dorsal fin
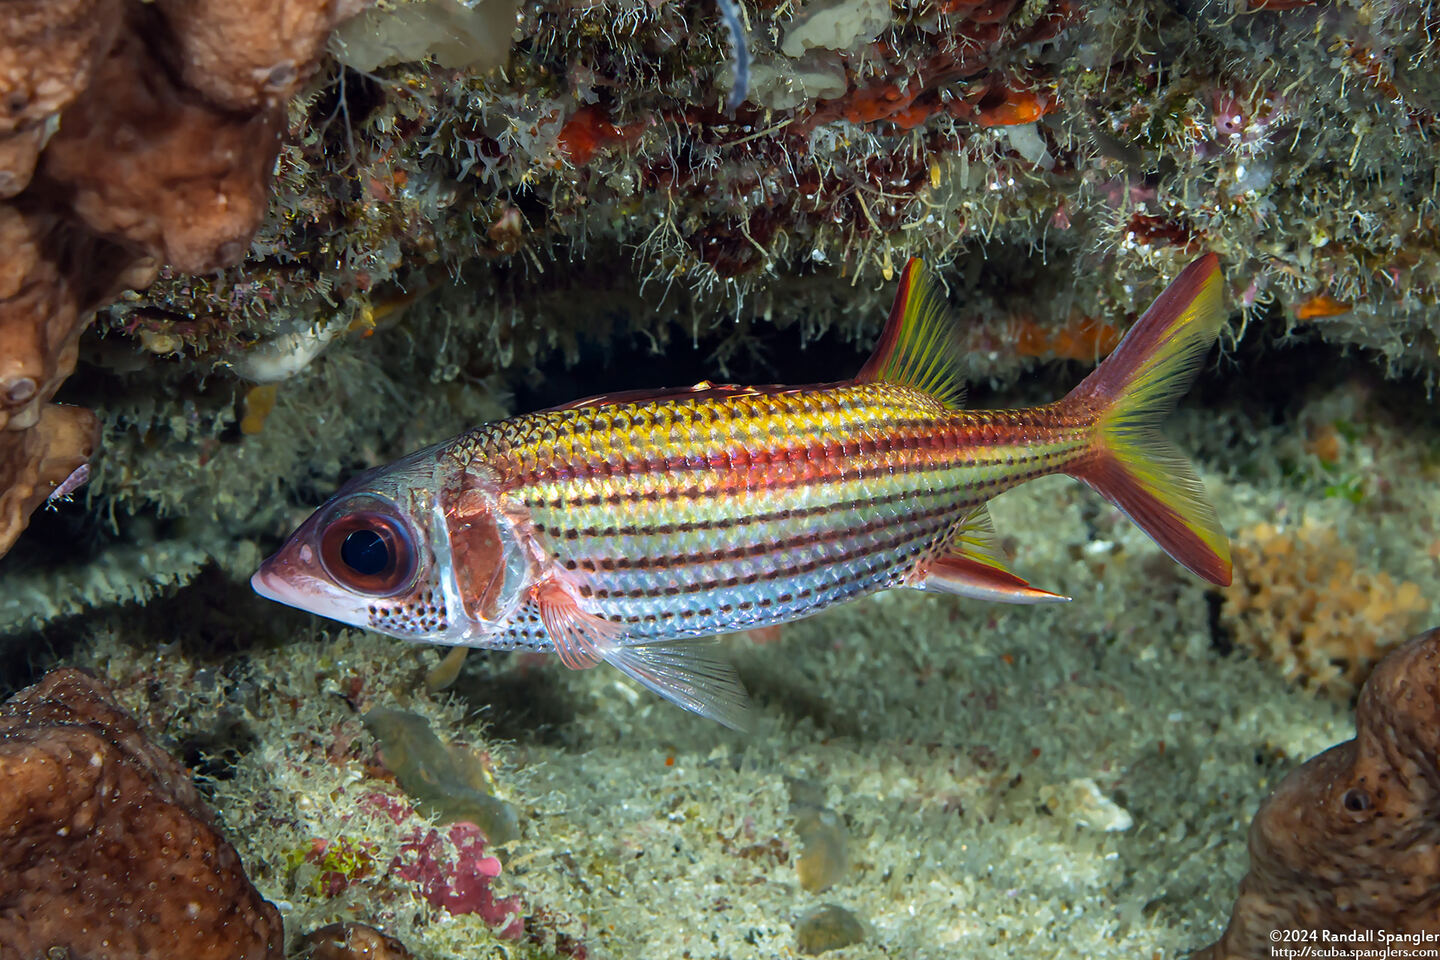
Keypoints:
pixel 972 566
pixel 917 347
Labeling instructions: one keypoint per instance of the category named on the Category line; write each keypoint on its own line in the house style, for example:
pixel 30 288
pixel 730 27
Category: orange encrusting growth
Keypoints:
pixel 1010 106
pixel 589 129
pixel 1305 600
pixel 1320 305
pixel 1083 338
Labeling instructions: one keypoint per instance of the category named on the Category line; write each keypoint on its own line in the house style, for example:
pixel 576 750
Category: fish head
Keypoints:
pixel 408 551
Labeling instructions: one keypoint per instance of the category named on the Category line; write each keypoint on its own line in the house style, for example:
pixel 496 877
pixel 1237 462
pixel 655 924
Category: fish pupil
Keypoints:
pixel 365 552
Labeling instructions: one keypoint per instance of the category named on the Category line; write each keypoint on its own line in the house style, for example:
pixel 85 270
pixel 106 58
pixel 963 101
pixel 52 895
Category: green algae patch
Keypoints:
pixel 825 856
pixel 446 782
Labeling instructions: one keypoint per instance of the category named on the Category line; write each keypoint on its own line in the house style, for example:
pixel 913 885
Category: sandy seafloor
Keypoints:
pixel 957 743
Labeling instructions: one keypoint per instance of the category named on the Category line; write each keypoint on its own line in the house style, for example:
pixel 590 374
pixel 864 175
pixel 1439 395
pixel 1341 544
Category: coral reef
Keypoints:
pixel 106 849
pixel 1302 600
pixel 132 136
pixel 278 737
pixel 1346 843
pixel 446 241
pixel 983 762
pixel 435 221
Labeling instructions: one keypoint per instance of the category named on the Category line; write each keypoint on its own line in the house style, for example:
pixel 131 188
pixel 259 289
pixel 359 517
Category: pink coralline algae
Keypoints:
pixel 458 880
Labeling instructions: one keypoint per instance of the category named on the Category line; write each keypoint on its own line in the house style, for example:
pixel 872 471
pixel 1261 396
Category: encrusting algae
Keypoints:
pixel 1303 601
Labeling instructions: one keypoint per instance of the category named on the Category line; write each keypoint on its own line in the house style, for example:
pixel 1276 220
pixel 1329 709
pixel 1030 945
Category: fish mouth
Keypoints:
pixel 289 577
pixel 271 586
pixel 279 580
pixel 274 581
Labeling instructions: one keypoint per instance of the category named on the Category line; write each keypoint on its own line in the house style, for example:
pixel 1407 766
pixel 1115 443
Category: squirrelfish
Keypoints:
pixel 627 528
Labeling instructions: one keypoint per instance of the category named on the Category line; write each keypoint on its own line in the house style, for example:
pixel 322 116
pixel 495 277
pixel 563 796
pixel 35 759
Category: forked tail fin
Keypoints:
pixel 1135 467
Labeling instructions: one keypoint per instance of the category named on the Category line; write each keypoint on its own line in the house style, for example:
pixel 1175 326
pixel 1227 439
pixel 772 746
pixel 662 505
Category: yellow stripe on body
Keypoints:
pixel 637 501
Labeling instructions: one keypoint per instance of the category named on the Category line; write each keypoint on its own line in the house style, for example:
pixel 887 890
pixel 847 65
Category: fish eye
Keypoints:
pixel 365 552
pixel 368 552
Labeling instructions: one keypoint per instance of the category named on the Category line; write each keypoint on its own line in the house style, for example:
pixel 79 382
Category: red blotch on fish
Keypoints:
pixel 770 634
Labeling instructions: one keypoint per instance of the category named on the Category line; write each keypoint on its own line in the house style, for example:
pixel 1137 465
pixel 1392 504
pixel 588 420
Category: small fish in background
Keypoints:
pixel 629 528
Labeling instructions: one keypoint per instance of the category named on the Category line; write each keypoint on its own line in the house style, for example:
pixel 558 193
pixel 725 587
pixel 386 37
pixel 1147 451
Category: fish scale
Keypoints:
pixel 762 509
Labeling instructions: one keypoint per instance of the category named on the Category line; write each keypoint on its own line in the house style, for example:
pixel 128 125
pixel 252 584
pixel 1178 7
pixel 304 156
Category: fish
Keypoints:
pixel 633 528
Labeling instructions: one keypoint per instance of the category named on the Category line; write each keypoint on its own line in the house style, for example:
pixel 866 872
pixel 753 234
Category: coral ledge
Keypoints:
pixel 133 136
pixel 106 849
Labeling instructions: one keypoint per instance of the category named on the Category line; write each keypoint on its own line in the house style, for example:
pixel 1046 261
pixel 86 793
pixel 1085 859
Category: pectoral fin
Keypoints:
pixel 690 673
pixel 972 566
pixel 581 639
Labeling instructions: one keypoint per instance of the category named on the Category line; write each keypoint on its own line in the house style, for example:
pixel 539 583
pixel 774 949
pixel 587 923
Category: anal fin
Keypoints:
pixel 971 565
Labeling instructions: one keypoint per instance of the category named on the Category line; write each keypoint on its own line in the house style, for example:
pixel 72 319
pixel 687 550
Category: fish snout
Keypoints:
pixel 274 581
pixel 290 575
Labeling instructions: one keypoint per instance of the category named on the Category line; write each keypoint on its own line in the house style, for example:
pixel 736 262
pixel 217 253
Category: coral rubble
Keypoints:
pixel 1347 841
pixel 106 849
pixel 351 941
pixel 830 927
pixel 132 136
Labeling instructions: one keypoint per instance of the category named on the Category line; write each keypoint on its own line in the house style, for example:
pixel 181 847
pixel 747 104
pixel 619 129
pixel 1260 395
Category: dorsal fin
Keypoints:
pixel 704 390
pixel 917 347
